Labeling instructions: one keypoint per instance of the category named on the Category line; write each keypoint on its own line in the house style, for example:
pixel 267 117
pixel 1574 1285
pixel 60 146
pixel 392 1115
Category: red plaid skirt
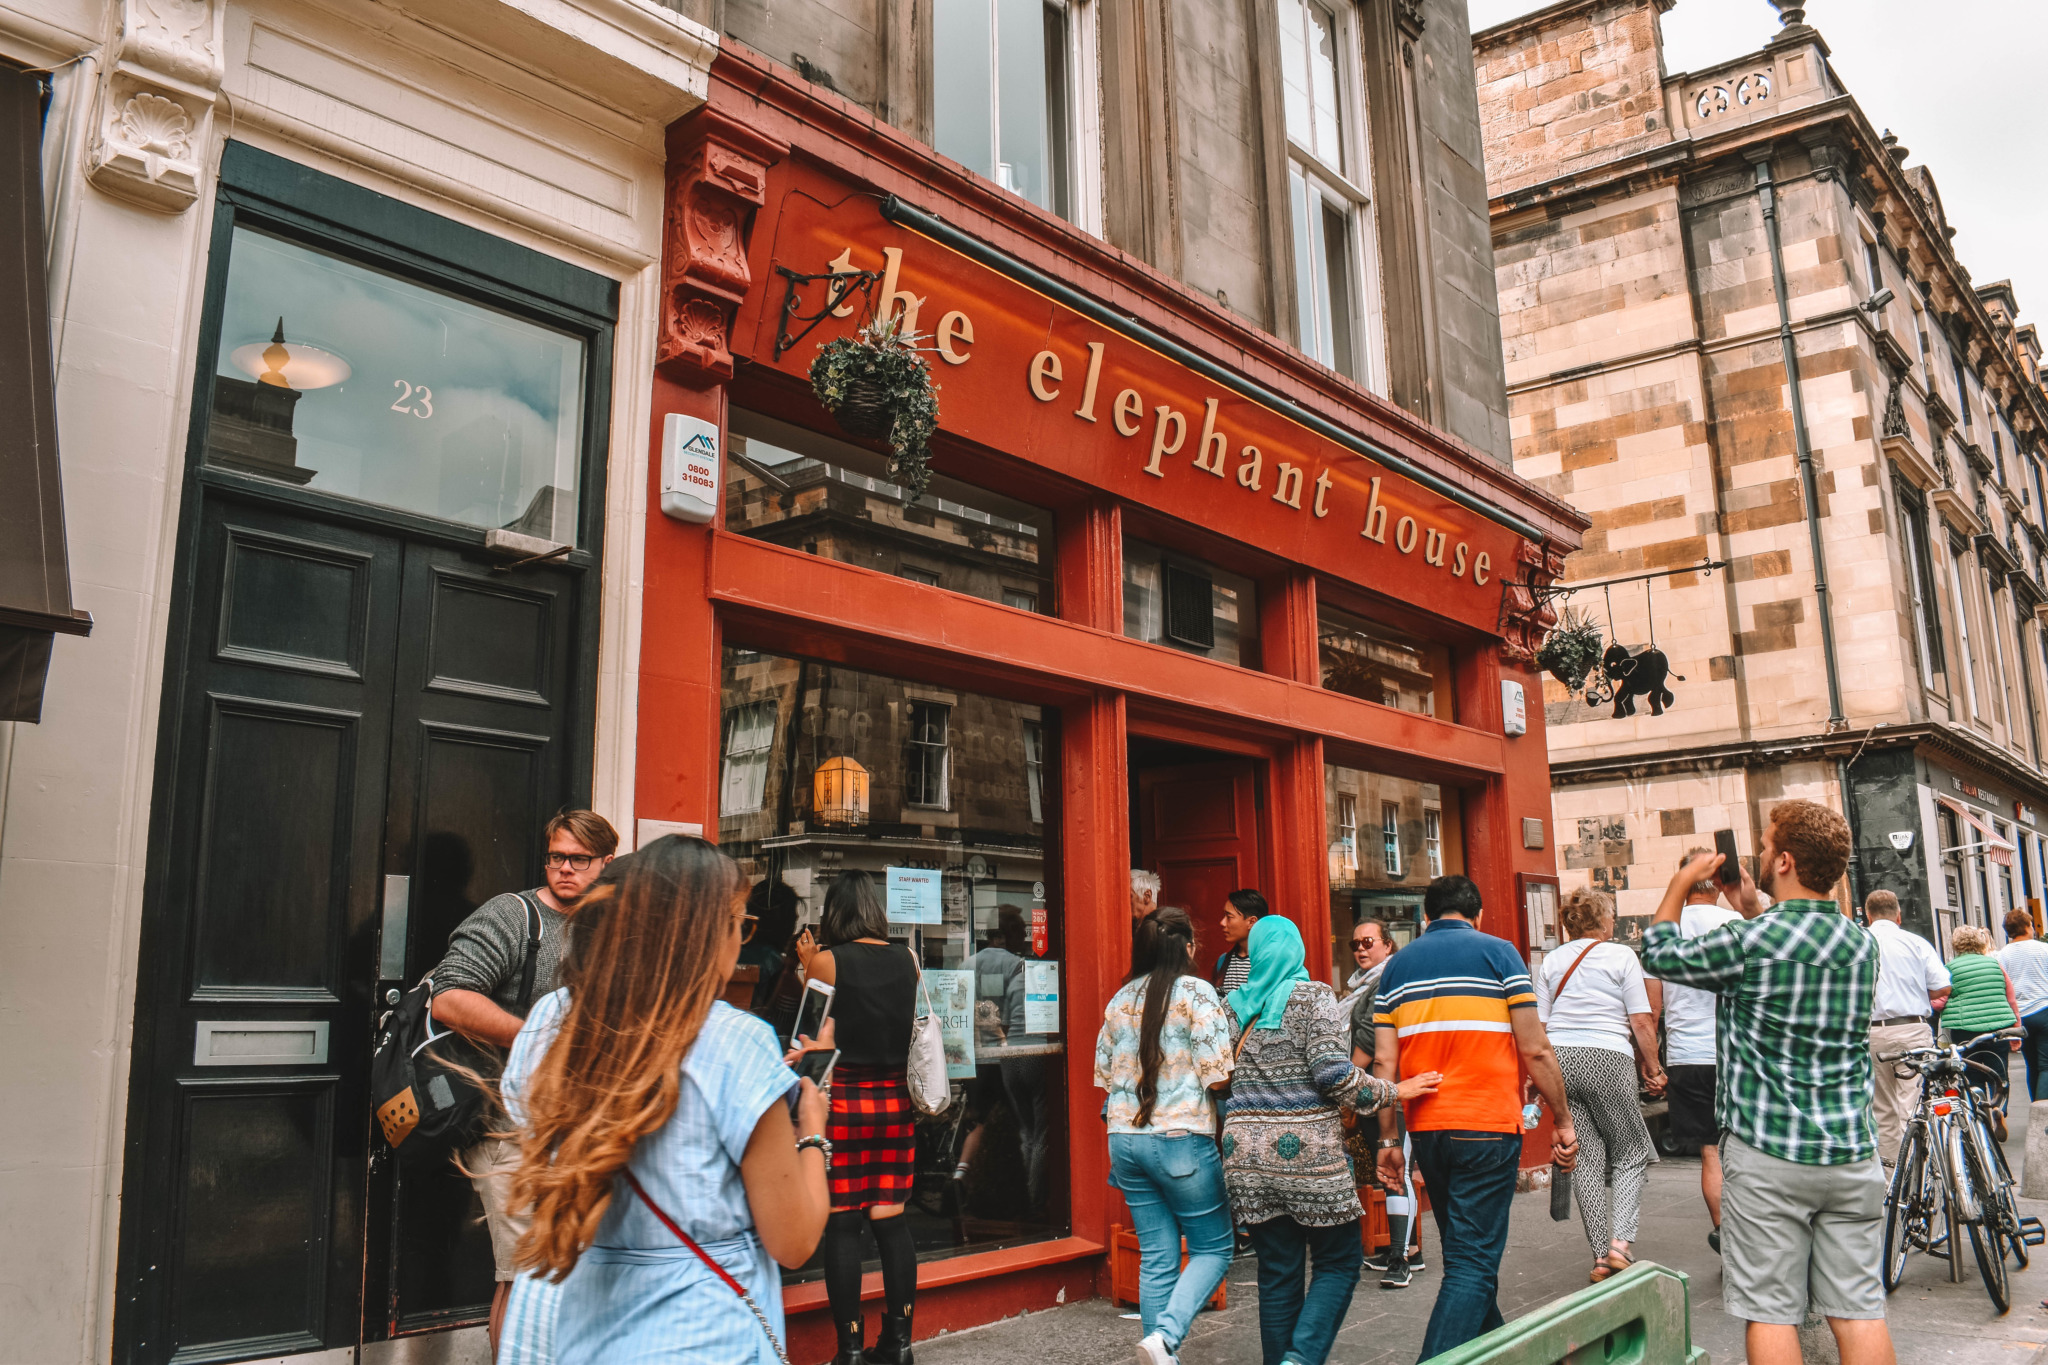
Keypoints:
pixel 874 1136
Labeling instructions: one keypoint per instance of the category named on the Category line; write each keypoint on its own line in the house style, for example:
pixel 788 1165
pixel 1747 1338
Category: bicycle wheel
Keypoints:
pixel 2008 1202
pixel 1907 1207
pixel 1986 1240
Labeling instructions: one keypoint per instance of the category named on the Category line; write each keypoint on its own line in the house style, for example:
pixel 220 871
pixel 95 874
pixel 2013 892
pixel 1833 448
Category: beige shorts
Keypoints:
pixel 493 1163
pixel 1794 1234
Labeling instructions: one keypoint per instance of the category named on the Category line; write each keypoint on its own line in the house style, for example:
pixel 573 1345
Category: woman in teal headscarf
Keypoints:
pixel 1290 1181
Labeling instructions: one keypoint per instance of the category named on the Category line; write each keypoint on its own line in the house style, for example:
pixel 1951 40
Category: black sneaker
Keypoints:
pixel 1398 1275
pixel 1377 1264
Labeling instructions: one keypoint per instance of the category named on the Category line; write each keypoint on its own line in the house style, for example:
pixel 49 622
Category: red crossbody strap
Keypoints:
pixel 683 1237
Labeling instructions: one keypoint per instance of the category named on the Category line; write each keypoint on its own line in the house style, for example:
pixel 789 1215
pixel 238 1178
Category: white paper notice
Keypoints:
pixel 952 996
pixel 1041 997
pixel 914 896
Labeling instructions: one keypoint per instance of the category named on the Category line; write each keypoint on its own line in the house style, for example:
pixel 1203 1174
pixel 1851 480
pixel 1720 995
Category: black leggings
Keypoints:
pixel 842 1264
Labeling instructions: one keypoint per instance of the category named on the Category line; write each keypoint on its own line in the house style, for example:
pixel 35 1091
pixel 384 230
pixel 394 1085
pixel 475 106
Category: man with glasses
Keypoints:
pixel 1371 946
pixel 479 992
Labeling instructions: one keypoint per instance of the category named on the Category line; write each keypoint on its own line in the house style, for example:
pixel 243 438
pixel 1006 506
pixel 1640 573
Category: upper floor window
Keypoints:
pixel 1871 267
pixel 1962 390
pixel 1347 832
pixel 1920 576
pixel 1191 605
pixel 1002 94
pixel 1390 838
pixel 1333 276
pixel 1433 841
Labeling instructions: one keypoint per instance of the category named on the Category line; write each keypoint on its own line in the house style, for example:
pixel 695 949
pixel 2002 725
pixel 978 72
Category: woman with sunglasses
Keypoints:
pixel 1371 947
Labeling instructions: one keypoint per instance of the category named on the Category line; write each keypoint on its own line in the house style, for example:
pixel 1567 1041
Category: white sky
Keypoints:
pixel 1955 79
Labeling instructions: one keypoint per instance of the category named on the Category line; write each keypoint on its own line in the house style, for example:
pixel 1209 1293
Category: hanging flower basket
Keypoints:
pixel 879 388
pixel 1572 651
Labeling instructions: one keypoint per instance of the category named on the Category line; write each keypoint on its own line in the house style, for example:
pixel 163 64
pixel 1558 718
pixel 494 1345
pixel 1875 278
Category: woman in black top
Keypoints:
pixel 873 1127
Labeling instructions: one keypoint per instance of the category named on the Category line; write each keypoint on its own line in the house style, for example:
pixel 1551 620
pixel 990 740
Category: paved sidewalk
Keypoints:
pixel 1932 1320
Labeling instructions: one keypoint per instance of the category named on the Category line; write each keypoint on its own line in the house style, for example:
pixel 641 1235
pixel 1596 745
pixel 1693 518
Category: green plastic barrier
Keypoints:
pixel 1642 1316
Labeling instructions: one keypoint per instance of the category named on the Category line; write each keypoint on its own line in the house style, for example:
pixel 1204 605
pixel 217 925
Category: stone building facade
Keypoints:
pixel 1871 637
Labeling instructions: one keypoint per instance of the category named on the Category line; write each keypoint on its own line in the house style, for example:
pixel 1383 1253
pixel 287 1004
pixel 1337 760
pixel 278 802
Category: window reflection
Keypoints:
pixel 334 376
pixel 795 487
pixel 829 769
pixel 1173 600
pixel 1413 835
pixel 1376 663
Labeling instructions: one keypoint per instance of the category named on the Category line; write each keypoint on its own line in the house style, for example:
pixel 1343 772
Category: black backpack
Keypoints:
pixel 427 1105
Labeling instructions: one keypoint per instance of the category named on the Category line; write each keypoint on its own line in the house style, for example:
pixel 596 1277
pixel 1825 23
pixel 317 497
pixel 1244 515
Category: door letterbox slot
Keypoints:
pixel 261 1042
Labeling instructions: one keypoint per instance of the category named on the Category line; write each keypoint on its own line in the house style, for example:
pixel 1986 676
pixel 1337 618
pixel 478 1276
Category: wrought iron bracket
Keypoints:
pixel 1545 594
pixel 850 282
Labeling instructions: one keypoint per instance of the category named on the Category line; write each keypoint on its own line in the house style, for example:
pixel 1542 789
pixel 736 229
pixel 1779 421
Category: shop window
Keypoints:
pixel 1002 94
pixel 749 734
pixel 928 764
pixel 1388 887
pixel 1325 173
pixel 989 929
pixel 1174 600
pixel 1375 663
pixel 338 377
pixel 796 487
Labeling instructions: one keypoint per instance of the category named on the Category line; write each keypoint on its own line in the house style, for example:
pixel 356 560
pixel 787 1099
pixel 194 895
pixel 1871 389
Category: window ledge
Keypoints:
pixel 810 1298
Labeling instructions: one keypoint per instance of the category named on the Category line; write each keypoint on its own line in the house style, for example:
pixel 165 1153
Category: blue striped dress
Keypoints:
pixel 637 1294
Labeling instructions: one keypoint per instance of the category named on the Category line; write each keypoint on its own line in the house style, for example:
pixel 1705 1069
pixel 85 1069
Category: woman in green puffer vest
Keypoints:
pixel 1980 1005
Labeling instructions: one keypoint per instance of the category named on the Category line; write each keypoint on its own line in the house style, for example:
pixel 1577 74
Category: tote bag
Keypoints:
pixel 930 1091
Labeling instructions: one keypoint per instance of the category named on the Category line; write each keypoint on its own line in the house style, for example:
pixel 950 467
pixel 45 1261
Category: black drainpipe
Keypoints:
pixel 1767 196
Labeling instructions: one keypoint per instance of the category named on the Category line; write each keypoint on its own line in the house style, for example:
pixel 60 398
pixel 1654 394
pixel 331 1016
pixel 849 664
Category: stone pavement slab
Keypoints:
pixel 1933 1321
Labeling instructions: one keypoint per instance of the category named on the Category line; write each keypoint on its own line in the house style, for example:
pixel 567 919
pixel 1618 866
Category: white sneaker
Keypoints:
pixel 1152 1351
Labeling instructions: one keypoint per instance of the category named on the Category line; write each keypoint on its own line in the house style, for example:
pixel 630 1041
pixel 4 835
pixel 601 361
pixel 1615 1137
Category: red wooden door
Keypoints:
pixel 1201 835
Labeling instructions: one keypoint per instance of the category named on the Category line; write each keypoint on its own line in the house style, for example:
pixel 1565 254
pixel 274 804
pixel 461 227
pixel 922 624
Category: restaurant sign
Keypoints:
pixel 1025 374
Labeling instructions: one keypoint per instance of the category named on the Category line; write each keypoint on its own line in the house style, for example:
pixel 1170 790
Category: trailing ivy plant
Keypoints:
pixel 877 385
pixel 1572 650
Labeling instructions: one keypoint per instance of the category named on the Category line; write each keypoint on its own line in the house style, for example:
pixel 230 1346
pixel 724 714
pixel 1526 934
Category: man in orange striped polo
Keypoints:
pixel 1459 1001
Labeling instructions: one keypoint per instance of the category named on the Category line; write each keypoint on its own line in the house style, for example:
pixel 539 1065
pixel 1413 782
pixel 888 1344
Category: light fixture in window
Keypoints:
pixel 286 364
pixel 839 792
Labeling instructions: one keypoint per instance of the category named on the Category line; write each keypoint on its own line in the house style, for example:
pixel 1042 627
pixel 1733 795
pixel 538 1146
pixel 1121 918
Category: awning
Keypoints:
pixel 35 577
pixel 2001 850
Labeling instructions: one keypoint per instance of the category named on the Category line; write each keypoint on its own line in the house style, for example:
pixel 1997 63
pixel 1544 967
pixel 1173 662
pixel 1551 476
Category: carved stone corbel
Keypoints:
pixel 158 81
pixel 1525 612
pixel 717 179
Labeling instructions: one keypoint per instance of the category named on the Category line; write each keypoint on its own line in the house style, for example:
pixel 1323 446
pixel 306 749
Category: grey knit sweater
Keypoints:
pixel 1283 1142
pixel 487 951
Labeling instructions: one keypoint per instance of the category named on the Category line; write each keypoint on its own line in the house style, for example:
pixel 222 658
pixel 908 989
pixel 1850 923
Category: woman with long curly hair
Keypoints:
pixel 644 1100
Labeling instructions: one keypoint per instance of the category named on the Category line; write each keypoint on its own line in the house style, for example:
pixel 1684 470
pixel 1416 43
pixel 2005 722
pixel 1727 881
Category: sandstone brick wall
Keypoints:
pixel 1580 86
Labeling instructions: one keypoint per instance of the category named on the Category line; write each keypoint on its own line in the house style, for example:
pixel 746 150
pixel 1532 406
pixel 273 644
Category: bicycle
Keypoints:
pixel 1951 1172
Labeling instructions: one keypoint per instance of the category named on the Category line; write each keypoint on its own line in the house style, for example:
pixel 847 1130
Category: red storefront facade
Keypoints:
pixel 1135 413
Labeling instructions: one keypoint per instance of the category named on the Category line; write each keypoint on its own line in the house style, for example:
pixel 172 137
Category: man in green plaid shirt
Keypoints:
pixel 1802 1201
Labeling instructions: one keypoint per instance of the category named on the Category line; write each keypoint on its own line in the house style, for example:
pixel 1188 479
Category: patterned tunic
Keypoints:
pixel 1283 1142
pixel 1194 1046
pixel 1792 1026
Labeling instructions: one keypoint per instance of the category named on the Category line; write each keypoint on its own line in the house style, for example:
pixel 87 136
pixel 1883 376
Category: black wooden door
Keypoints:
pixel 478 763
pixel 254 1045
pixel 356 707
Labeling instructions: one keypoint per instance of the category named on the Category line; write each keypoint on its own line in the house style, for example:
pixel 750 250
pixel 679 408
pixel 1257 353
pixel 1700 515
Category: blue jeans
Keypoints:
pixel 1471 1180
pixel 1298 1326
pixel 1174 1186
pixel 2035 1050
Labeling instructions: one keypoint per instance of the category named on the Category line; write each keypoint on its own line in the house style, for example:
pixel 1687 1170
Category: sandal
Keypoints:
pixel 1607 1265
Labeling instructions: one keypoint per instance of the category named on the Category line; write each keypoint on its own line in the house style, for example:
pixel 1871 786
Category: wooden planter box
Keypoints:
pixel 1123 1268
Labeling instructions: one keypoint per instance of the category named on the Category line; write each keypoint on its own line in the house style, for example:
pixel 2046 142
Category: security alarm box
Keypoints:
pixel 1514 711
pixel 690 468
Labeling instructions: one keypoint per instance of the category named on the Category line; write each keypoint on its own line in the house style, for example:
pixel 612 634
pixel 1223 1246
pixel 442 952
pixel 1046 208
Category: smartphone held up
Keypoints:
pixel 1729 873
